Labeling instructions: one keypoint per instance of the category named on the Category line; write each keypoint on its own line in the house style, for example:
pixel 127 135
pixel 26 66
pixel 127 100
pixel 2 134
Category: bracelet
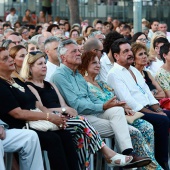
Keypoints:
pixel 48 115
pixel 159 109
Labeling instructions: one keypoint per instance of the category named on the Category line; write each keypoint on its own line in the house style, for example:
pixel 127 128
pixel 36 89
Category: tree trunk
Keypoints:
pixel 74 11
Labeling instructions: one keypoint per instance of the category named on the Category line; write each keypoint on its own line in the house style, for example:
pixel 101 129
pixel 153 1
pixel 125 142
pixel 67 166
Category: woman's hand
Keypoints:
pixel 59 120
pixel 129 112
pixel 71 112
pixel 113 102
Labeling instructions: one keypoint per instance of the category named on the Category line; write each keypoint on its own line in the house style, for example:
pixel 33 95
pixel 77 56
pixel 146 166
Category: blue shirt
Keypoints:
pixel 75 91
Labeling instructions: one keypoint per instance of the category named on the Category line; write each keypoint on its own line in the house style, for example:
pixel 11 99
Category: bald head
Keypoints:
pixel 95 45
pixel 91 44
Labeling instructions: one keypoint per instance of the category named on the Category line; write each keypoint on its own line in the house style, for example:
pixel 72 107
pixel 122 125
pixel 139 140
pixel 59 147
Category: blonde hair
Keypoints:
pixel 156 35
pixel 29 60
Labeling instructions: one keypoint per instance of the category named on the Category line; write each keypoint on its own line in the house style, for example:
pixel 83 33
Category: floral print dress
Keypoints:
pixel 141 131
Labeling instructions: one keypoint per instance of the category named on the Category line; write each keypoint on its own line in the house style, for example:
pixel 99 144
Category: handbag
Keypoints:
pixel 131 119
pixel 41 125
pixel 165 103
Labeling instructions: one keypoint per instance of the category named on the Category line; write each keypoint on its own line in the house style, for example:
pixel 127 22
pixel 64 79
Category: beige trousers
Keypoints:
pixel 112 122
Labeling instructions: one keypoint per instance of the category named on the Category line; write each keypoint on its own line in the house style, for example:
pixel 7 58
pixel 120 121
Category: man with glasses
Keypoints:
pixel 74 90
pixel 129 86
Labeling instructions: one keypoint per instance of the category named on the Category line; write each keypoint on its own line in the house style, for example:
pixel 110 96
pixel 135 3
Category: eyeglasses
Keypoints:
pixel 102 51
pixel 26 32
pixel 143 40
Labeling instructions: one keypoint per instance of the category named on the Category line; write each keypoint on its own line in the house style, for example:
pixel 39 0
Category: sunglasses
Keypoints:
pixel 36 52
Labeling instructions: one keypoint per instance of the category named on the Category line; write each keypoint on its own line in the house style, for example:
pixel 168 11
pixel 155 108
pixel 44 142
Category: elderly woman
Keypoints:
pixel 142 139
pixel 18 105
pixel 86 138
pixel 163 74
pixel 74 33
pixel 141 58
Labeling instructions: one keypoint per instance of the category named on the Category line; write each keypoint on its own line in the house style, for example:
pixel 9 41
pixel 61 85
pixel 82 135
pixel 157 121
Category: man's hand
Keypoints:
pixel 2 133
pixel 161 113
pixel 113 102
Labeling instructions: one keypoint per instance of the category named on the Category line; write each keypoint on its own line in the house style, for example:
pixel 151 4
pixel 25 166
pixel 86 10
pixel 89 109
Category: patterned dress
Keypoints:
pixel 141 131
pixel 163 78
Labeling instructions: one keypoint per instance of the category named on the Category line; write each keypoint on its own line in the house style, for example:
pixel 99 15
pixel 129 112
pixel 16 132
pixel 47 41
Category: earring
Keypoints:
pixel 86 73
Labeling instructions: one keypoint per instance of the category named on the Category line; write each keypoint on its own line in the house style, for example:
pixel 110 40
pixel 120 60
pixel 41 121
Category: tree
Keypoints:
pixel 74 11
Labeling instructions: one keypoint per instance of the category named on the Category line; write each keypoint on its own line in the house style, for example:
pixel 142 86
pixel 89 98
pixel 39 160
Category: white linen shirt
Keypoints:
pixel 136 95
pixel 50 70
pixel 106 65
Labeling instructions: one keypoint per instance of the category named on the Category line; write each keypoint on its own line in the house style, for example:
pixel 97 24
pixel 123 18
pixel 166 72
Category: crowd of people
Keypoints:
pixel 86 82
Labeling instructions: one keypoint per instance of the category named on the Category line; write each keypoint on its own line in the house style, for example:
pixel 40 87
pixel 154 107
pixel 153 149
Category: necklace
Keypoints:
pixel 13 84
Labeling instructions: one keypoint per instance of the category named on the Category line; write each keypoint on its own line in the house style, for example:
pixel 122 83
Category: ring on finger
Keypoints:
pixel 60 125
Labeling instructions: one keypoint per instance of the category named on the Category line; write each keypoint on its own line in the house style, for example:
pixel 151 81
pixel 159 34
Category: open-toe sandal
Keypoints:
pixel 112 161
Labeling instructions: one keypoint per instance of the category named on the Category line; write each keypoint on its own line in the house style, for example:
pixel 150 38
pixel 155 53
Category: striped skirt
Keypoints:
pixel 86 139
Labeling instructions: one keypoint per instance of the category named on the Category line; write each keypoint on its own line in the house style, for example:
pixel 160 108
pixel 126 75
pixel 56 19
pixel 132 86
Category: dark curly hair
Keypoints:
pixel 110 38
pixel 86 58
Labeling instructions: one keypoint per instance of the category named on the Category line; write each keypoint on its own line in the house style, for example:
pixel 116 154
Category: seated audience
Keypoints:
pixel 101 115
pixel 90 68
pixel 129 86
pixel 163 74
pixel 18 105
pixel 34 71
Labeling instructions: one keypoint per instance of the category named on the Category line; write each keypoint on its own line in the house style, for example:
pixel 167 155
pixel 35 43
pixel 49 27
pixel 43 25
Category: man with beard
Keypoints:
pixel 129 86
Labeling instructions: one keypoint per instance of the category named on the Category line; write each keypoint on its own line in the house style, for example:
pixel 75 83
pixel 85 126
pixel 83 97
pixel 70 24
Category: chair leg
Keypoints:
pixel 92 162
pixel 46 160
pixel 8 161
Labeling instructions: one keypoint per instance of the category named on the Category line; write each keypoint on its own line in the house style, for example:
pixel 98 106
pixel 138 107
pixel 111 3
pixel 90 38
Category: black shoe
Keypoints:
pixel 138 161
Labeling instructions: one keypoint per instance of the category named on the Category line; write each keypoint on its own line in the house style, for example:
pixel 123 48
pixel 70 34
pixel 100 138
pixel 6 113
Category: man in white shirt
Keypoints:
pixel 156 64
pixel 12 17
pixel 129 86
pixel 51 45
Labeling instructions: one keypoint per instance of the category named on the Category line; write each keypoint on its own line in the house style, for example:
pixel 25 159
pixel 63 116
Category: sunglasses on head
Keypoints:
pixel 35 52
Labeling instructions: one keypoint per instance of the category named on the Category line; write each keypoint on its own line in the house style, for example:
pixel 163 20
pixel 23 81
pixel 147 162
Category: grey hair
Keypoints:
pixel 8 30
pixel 49 40
pixel 62 49
pixel 94 33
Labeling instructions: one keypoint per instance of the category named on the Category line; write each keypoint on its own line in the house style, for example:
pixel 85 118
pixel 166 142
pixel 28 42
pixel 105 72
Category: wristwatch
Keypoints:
pixel 63 110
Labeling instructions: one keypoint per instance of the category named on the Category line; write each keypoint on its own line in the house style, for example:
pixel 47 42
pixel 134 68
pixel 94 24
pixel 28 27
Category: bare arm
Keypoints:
pixel 160 93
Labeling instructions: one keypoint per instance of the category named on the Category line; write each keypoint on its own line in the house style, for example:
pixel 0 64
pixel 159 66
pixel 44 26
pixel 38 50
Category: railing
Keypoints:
pixel 122 10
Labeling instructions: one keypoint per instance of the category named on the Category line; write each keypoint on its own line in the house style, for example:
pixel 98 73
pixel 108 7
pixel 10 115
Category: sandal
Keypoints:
pixel 112 161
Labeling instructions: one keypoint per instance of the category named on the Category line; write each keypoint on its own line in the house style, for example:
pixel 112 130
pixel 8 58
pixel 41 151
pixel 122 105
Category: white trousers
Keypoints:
pixel 112 122
pixel 26 143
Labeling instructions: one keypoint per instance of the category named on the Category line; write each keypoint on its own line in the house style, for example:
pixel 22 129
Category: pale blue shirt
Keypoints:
pixel 75 91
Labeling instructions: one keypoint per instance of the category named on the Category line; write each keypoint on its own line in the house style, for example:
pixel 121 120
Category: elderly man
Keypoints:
pixel 23 141
pixel 129 86
pixel 75 91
